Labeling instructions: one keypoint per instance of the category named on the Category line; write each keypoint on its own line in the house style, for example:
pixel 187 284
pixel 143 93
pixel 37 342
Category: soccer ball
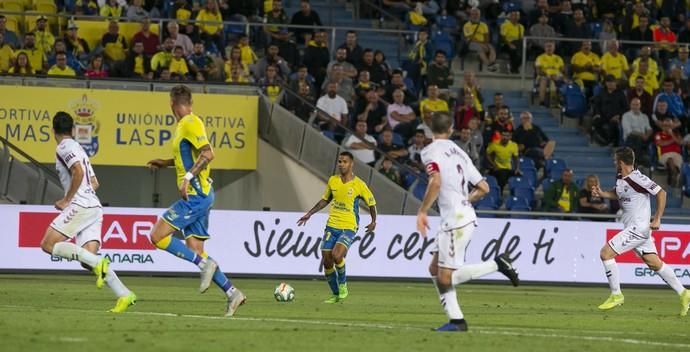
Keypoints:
pixel 284 293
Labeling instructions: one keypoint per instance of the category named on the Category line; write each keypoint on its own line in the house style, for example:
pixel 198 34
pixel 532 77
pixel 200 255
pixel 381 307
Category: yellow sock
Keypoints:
pixel 164 243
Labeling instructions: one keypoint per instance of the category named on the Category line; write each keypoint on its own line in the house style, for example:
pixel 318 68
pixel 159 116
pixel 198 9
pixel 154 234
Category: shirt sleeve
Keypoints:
pixel 69 155
pixel 195 133
pixel 430 164
pixel 642 184
pixel 472 174
pixel 366 195
pixel 327 195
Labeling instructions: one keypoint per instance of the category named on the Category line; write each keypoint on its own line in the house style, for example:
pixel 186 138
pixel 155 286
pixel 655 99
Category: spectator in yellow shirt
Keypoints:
pixel 178 64
pixel 22 66
pixel 210 27
pixel 44 39
pixel 237 75
pixel 114 44
pixel 60 68
pixel 164 57
pixel 614 63
pixel 36 57
pixel 432 102
pixel 502 156
pixel 111 9
pixel 6 54
pixel 477 34
pixel 247 54
pixel 586 65
pixel 646 55
pixel 651 83
pixel 549 68
pixel 512 33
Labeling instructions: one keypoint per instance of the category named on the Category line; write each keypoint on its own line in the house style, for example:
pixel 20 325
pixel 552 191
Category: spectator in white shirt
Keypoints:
pixel 637 132
pixel 356 145
pixel 180 39
pixel 401 117
pixel 334 106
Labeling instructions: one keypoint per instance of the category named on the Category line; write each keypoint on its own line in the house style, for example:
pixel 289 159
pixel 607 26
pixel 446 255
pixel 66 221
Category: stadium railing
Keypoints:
pixel 305 143
pixel 336 34
pixel 24 180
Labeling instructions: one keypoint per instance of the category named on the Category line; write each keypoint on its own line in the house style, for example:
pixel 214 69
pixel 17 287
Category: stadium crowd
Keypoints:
pixel 637 94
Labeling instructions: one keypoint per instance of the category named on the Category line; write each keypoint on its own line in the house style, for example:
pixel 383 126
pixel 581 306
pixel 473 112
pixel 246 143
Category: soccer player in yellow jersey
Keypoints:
pixel 343 192
pixel 192 155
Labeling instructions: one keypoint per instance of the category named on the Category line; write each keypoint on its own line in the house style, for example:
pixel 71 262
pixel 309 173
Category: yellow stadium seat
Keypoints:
pixel 12 24
pixel 46 7
pixel 12 6
pixel 92 31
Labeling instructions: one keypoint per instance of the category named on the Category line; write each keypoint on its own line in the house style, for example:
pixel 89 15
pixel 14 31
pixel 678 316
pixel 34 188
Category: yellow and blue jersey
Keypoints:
pixel 344 199
pixel 190 136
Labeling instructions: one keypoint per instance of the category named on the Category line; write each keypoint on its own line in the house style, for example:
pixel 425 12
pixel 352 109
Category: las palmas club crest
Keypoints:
pixel 85 124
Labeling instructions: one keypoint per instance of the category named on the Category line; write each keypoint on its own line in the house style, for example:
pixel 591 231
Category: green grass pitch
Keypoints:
pixel 67 313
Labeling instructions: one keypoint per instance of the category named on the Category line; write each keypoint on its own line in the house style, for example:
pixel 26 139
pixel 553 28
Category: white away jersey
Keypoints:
pixel 457 173
pixel 68 153
pixel 633 194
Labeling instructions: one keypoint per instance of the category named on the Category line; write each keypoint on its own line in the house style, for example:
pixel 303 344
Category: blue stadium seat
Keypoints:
pixel 487 203
pixel 517 204
pixel 574 101
pixel 518 182
pixel 685 180
pixel 447 24
pixel 554 164
pixel 329 134
pixel 546 183
pixel 443 41
pixel 580 182
pixel 419 189
pixel 408 179
pixel 531 175
pixel 527 163
pixel 526 193
pixel 491 181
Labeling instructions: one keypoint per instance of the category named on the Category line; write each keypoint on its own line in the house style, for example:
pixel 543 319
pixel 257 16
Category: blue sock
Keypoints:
pixel 177 248
pixel 332 278
pixel 340 269
pixel 222 281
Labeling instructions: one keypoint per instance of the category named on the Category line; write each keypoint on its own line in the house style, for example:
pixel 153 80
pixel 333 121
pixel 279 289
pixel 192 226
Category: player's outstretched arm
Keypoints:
pixel 372 225
pixel 77 173
pixel 322 203
pixel 597 192
pixel 660 207
pixel 160 163
pixel 432 191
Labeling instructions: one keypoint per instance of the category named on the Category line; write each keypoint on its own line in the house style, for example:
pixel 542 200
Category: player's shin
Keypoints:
pixel 71 251
pixel 332 278
pixel 474 271
pixel 449 301
pixel 223 282
pixel 612 274
pixel 667 274
pixel 118 288
pixel 177 248
pixel 340 269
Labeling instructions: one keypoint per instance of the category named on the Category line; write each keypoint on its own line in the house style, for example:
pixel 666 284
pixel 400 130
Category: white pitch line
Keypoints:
pixel 486 330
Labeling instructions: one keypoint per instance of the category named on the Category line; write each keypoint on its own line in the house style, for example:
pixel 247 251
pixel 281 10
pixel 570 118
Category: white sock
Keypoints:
pixel 611 269
pixel 449 301
pixel 473 271
pixel 670 278
pixel 71 251
pixel 118 288
pixel 434 279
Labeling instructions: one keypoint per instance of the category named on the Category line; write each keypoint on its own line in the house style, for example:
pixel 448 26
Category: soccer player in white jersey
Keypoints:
pixel 82 216
pixel 632 191
pixel 451 176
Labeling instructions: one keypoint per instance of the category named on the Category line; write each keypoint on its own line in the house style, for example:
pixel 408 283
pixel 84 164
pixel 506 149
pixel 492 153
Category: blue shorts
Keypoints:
pixel 332 236
pixel 191 216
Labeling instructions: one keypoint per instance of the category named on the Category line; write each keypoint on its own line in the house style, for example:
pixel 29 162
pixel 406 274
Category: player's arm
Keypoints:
pixel 372 225
pixel 479 191
pixel 160 163
pixel 322 203
pixel 597 192
pixel 94 183
pixel 77 173
pixel 660 207
pixel 432 191
pixel 202 161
